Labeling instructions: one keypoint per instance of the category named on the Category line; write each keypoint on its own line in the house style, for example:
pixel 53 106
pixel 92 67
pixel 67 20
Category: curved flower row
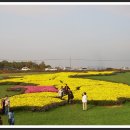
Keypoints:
pixel 96 90
pixel 33 99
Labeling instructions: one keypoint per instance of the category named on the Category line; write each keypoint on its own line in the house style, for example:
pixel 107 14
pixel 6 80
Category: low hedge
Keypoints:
pixel 17 83
pixel 40 109
pixel 45 108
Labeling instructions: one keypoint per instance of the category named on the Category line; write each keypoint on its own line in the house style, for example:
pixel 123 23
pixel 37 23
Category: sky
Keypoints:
pixel 66 35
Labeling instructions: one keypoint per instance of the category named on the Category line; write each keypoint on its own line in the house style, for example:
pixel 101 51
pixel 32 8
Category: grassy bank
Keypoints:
pixel 118 78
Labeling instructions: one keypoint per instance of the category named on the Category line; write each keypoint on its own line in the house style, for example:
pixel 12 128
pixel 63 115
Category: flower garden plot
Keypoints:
pixel 99 92
pixel 29 100
pixel 35 89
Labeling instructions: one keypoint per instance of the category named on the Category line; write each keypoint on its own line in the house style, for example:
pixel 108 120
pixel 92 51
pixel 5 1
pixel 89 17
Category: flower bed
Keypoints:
pixel 38 100
pixel 99 92
pixel 34 89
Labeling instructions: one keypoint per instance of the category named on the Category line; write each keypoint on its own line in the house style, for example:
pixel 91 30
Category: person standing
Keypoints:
pixel 70 96
pixel 7 105
pixel 60 92
pixel 3 105
pixel 11 117
pixel 84 101
pixel 66 88
pixel 1 122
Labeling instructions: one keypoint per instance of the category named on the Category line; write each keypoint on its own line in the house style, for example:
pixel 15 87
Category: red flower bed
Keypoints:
pixel 35 89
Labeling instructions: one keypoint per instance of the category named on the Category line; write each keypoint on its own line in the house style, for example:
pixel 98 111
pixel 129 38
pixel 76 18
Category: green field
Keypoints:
pixel 73 114
pixel 118 78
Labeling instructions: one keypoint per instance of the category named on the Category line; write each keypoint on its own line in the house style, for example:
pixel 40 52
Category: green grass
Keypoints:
pixel 3 91
pixel 119 78
pixel 74 115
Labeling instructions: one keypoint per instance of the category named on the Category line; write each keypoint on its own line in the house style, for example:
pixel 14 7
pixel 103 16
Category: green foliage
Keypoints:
pixel 16 66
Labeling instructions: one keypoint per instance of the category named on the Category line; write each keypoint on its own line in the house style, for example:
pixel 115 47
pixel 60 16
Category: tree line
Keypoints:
pixel 6 65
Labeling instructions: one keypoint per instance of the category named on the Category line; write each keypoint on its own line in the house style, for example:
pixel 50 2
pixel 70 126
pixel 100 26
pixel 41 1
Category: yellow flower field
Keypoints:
pixel 96 90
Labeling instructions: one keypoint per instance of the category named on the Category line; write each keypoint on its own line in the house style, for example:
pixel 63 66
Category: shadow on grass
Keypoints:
pixel 92 75
pixel 17 83
pixel 10 77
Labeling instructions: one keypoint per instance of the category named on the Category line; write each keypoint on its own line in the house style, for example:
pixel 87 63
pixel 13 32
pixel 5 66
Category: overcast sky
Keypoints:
pixel 95 35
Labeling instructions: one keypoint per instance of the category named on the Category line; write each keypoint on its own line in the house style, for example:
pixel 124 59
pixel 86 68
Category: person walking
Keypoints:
pixel 84 101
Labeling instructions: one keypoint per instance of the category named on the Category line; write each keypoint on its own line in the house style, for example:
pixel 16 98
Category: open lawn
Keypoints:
pixel 74 115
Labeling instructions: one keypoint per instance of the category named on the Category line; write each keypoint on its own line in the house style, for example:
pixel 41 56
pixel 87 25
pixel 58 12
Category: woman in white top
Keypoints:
pixel 60 92
pixel 84 101
pixel 7 105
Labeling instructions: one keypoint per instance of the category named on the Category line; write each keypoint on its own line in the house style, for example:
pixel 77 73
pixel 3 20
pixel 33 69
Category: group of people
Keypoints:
pixel 5 104
pixel 66 91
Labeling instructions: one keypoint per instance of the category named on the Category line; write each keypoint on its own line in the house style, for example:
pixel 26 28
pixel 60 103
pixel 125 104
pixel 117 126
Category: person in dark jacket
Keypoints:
pixel 1 122
pixel 66 89
pixel 70 96
pixel 3 105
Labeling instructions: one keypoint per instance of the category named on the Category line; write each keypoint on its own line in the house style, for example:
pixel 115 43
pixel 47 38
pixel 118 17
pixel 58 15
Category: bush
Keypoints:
pixel 78 88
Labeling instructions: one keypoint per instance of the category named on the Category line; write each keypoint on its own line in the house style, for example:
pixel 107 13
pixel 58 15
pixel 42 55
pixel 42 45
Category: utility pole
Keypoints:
pixel 70 61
